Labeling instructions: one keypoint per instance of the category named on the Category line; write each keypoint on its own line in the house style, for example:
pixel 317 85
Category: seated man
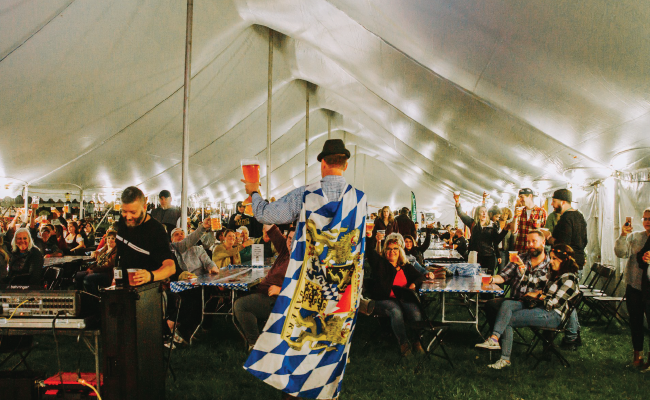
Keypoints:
pixel 534 277
pixel 192 261
pixel 47 242
pixel 258 306
pixel 459 243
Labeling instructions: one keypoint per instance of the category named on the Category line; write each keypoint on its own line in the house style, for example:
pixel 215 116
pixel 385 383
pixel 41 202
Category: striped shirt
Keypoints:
pixel 287 209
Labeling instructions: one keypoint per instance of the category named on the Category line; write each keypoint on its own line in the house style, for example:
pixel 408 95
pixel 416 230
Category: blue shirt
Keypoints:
pixel 287 209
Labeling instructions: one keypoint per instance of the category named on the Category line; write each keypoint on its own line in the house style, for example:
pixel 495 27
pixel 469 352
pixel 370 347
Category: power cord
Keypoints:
pixel 17 307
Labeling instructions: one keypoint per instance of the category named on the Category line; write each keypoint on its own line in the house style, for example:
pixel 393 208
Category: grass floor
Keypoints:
pixel 212 368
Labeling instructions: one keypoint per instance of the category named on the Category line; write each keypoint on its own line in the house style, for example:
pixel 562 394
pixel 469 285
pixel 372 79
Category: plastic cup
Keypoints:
pixel 118 205
pixel 512 256
pixel 485 279
pixel 251 169
pixel 215 222
pixel 131 273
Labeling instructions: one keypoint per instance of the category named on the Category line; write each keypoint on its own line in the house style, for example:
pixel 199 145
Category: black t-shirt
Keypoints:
pixel 461 244
pixel 145 246
pixel 571 230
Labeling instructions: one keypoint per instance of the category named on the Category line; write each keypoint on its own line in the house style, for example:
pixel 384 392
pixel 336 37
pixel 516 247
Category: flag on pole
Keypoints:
pixel 414 211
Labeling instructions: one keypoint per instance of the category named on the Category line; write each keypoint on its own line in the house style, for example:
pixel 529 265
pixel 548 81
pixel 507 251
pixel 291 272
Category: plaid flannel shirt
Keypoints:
pixel 532 280
pixel 559 292
pixel 537 220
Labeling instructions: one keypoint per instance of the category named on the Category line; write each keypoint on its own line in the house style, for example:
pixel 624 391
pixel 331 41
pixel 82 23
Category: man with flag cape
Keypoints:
pixel 304 347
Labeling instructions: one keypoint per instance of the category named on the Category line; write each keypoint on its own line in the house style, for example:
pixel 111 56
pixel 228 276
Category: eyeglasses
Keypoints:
pixel 645 219
pixel 392 249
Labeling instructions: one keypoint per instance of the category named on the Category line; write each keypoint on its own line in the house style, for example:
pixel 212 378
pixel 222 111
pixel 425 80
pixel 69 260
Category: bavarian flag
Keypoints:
pixel 304 347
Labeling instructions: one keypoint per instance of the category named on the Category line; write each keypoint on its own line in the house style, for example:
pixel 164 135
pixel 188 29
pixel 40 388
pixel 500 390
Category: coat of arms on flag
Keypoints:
pixel 304 347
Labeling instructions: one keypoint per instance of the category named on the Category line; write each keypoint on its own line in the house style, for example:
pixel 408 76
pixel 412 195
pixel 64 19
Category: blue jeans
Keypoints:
pixel 418 267
pixel 397 310
pixel 513 315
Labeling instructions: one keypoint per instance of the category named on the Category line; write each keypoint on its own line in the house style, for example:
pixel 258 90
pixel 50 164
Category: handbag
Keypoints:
pixel 532 302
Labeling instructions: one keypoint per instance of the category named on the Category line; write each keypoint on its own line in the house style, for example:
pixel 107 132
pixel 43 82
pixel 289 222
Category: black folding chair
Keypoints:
pixel 430 334
pixel 609 307
pixel 547 336
pixel 605 274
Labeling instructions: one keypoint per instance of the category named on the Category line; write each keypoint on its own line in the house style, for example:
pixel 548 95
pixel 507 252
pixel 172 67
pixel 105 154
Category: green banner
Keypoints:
pixel 414 212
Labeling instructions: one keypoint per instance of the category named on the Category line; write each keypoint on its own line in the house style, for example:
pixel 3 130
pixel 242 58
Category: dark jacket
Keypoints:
pixel 380 226
pixel 405 226
pixel 484 240
pixel 24 269
pixel 418 249
pixel 384 275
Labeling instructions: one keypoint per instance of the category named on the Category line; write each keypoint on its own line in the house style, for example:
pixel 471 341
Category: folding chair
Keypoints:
pixel 610 306
pixel 548 335
pixel 605 274
pixel 435 332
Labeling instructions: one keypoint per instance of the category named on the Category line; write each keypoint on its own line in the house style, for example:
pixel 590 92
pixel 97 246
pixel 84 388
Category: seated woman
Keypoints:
pixel 25 262
pixel 392 269
pixel 74 240
pixel 88 234
pixel 59 233
pixel 258 306
pixel 228 251
pixel 412 248
pixel 100 274
pixel 553 305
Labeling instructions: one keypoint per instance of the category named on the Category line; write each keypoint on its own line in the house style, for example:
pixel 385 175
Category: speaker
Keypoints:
pixel 132 343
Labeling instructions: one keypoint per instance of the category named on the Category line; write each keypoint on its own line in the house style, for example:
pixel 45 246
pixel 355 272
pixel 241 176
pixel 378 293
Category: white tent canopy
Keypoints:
pixel 431 96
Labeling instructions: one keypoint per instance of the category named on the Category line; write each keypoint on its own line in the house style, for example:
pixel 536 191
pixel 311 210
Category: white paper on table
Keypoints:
pixel 258 254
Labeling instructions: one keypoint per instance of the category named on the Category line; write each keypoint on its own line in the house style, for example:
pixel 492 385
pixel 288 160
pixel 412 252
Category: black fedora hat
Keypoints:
pixel 333 146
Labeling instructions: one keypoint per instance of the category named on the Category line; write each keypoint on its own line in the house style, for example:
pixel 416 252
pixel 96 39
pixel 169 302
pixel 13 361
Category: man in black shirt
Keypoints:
pixel 460 243
pixel 240 219
pixel 571 229
pixel 142 242
pixel 165 213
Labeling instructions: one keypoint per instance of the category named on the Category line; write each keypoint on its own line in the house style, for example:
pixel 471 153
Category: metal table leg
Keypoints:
pixel 202 314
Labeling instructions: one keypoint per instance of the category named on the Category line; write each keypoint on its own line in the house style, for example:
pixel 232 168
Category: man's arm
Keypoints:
pixel 283 211
pixel 191 240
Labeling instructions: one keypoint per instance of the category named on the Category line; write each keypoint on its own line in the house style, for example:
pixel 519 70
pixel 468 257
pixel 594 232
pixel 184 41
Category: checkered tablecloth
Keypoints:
pixel 233 277
pixel 460 284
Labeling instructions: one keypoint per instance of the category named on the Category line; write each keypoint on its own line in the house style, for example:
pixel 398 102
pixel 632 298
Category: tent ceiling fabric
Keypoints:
pixel 436 96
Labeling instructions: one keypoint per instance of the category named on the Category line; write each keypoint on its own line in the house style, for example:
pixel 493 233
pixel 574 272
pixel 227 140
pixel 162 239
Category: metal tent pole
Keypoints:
pixel 306 133
pixel 268 118
pixel 354 180
pixel 329 126
pixel 186 114
pixel 81 204
pixel 26 198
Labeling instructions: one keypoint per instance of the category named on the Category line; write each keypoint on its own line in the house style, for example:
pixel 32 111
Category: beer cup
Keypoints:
pixel 251 169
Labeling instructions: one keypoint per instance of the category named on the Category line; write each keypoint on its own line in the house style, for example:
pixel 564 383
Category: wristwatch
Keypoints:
pixel 152 277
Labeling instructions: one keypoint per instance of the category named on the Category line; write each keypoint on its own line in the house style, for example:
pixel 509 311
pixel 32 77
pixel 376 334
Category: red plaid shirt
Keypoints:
pixel 537 220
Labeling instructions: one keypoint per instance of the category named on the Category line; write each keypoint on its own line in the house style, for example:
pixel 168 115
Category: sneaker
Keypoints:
pixel 500 364
pixel 417 348
pixel 489 344
pixel 405 350
pixel 178 338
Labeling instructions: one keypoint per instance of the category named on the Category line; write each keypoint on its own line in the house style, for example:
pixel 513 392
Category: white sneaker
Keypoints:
pixel 489 344
pixel 500 364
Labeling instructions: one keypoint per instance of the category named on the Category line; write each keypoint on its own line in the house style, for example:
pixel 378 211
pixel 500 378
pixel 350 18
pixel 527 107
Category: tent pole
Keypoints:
pixel 26 198
pixel 268 117
pixel 329 126
pixel 363 174
pixel 306 132
pixel 354 180
pixel 186 114
pixel 81 204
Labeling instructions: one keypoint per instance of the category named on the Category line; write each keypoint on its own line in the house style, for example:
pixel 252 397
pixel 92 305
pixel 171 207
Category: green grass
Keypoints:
pixel 212 368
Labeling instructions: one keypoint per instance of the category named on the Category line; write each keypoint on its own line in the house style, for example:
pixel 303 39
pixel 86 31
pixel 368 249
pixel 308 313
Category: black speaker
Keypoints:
pixel 132 343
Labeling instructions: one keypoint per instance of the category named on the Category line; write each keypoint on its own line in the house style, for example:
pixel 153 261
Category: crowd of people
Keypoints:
pixel 546 270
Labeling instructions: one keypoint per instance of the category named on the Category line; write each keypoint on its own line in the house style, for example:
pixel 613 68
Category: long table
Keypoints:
pixel 236 278
pixel 442 254
pixel 461 285
pixel 52 261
